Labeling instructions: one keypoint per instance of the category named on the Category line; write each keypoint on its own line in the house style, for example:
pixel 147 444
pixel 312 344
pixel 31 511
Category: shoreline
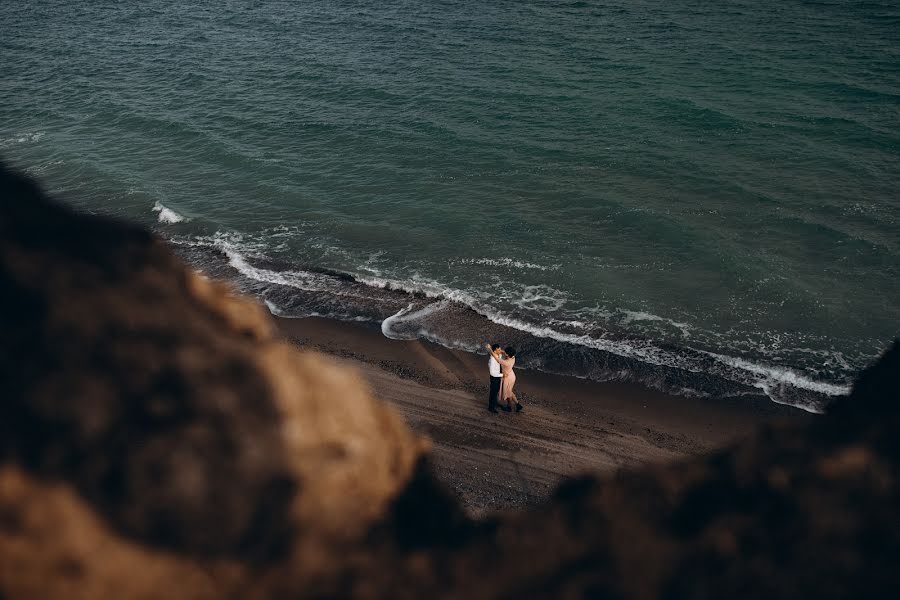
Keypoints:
pixel 452 318
pixel 569 426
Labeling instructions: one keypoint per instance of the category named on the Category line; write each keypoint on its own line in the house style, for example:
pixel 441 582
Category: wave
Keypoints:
pixel 411 308
pixel 389 326
pixel 506 262
pixel 631 316
pixel 773 377
pixel 776 382
pixel 22 138
pixel 167 215
pixel 280 312
pixel 239 255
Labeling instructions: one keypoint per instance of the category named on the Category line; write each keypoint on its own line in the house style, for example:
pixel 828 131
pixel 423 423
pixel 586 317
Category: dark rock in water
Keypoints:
pixel 157 440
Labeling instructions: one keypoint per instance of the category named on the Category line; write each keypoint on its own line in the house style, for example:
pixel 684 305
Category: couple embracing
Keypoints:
pixel 503 379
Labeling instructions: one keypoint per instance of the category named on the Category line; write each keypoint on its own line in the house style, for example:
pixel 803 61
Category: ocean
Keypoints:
pixel 701 197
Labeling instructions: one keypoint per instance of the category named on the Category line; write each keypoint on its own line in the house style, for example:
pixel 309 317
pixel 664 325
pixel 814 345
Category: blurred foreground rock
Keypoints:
pixel 158 440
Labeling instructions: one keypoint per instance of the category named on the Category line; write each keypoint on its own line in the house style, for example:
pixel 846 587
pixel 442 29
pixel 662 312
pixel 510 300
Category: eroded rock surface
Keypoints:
pixel 168 405
pixel 157 440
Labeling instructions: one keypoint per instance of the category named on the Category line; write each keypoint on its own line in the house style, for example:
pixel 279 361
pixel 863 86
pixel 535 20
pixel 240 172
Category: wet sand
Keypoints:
pixel 570 426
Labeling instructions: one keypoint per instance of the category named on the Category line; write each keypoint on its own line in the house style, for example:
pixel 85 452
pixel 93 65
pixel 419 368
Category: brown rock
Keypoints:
pixel 167 403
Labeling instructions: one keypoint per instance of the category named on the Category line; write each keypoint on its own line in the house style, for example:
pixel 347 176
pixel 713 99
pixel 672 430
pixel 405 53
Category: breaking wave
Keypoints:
pixel 411 308
pixel 167 215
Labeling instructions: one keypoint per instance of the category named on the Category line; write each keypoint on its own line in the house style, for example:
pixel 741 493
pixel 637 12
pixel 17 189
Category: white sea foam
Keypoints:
pixel 411 323
pixel 773 376
pixel 763 377
pixel 167 215
pixel 408 314
pixel 274 308
pixel 419 331
pixel 430 289
pixel 629 349
pixel 337 317
pixel 280 312
pixel 427 288
pixel 303 280
pixel 506 262
pixel 771 380
pixel 22 138
pixel 540 297
pixel 632 316
pixel 239 251
pixel 39 169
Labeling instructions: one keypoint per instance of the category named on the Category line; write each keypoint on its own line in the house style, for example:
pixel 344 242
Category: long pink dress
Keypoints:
pixel 509 379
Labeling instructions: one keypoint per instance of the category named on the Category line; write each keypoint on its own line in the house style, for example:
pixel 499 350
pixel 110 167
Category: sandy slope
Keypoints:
pixel 501 460
pixel 569 426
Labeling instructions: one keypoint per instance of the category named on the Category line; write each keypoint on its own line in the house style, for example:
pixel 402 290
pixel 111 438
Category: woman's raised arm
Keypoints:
pixel 494 353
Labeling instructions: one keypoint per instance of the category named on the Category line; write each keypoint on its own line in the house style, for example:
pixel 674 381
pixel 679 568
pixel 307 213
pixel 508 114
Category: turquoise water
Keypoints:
pixel 703 197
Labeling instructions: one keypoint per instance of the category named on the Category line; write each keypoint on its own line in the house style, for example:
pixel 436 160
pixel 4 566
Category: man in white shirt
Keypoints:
pixel 496 380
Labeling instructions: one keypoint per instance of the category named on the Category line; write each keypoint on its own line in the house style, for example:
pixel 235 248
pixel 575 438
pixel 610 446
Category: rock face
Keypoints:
pixel 165 403
pixel 157 440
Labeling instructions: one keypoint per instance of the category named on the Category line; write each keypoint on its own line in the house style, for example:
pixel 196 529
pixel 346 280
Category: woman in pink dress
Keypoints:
pixel 507 360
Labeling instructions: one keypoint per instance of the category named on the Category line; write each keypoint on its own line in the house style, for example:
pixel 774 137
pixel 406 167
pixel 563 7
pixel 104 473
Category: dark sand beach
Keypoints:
pixel 569 426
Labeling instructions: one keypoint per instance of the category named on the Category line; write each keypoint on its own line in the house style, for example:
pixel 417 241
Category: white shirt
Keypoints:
pixel 494 367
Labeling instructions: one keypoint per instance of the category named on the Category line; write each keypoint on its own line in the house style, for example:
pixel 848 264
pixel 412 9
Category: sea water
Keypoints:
pixel 699 196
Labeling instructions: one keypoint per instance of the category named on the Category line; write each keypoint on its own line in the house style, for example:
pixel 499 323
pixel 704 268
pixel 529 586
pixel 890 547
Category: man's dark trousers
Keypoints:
pixel 495 392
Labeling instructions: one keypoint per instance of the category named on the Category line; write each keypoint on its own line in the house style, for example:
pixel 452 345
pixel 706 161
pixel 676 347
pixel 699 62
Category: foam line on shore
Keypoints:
pixel 772 376
pixel 408 314
pixel 781 384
